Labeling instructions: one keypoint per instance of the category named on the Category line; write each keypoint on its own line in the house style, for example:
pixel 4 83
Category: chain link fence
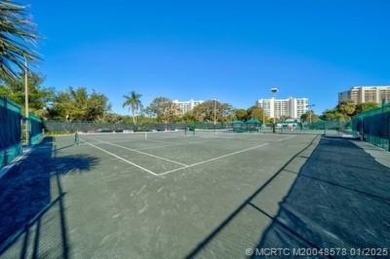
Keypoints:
pixel 61 127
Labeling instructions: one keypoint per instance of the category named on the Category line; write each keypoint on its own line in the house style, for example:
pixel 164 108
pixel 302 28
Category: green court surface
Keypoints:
pixel 161 195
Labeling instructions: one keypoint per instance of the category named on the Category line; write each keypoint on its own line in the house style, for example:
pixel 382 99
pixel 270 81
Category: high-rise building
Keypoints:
pixel 362 94
pixel 290 107
pixel 186 106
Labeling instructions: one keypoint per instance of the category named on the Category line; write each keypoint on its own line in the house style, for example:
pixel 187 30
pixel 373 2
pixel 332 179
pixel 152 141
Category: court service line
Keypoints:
pixel 121 141
pixel 143 153
pixel 285 138
pixel 213 159
pixel 124 160
pixel 172 145
pixel 160 141
pixel 177 144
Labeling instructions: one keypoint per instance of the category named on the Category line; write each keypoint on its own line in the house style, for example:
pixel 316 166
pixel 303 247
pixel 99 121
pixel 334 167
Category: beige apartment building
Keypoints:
pixel 186 106
pixel 362 94
pixel 290 107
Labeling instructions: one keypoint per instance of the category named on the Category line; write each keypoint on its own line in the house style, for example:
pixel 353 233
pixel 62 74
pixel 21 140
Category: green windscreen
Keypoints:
pixel 10 131
pixel 36 129
pixel 374 126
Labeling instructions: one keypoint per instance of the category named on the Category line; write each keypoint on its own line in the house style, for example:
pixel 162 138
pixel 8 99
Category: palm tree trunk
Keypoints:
pixel 133 114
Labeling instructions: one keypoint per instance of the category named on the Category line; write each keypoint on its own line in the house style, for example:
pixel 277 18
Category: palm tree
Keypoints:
pixel 17 37
pixel 134 103
pixel 346 107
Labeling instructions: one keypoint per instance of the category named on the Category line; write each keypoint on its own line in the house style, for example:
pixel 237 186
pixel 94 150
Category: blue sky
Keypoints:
pixel 234 51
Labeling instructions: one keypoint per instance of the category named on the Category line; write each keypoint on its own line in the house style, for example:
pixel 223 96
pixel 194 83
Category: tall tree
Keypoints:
pixel 40 98
pixel 342 112
pixel 188 117
pixel 133 102
pixel 334 115
pixel 112 117
pixel 309 116
pixel 170 111
pixel 241 114
pixel 361 107
pixel 346 107
pixel 163 109
pixel 17 40
pixel 256 112
pixel 78 104
pixel 213 110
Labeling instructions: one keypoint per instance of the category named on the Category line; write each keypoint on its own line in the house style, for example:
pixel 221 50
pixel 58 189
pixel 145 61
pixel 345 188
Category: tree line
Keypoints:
pixel 79 104
pixel 345 110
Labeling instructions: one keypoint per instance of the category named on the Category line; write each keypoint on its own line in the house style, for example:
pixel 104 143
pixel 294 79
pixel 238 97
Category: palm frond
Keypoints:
pixel 17 40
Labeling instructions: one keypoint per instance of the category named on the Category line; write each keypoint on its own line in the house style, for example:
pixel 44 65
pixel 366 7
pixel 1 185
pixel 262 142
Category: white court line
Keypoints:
pixel 124 160
pixel 172 145
pixel 143 153
pixel 127 141
pixel 213 159
pixel 286 138
pixel 161 141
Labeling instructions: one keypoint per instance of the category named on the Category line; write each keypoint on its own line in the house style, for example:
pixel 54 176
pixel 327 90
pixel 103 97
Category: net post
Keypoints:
pixel 76 138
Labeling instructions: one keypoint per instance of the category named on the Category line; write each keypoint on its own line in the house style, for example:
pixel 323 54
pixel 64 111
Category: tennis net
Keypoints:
pixel 132 136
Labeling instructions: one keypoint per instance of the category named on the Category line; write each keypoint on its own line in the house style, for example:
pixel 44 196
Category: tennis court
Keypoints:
pixel 159 194
pixel 165 153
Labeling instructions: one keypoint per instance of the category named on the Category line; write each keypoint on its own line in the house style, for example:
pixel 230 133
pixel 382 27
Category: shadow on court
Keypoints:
pixel 339 199
pixel 32 214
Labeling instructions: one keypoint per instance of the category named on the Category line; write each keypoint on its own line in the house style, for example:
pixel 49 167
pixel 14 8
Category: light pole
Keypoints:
pixel 262 106
pixel 26 101
pixel 274 90
pixel 215 113
pixel 310 112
